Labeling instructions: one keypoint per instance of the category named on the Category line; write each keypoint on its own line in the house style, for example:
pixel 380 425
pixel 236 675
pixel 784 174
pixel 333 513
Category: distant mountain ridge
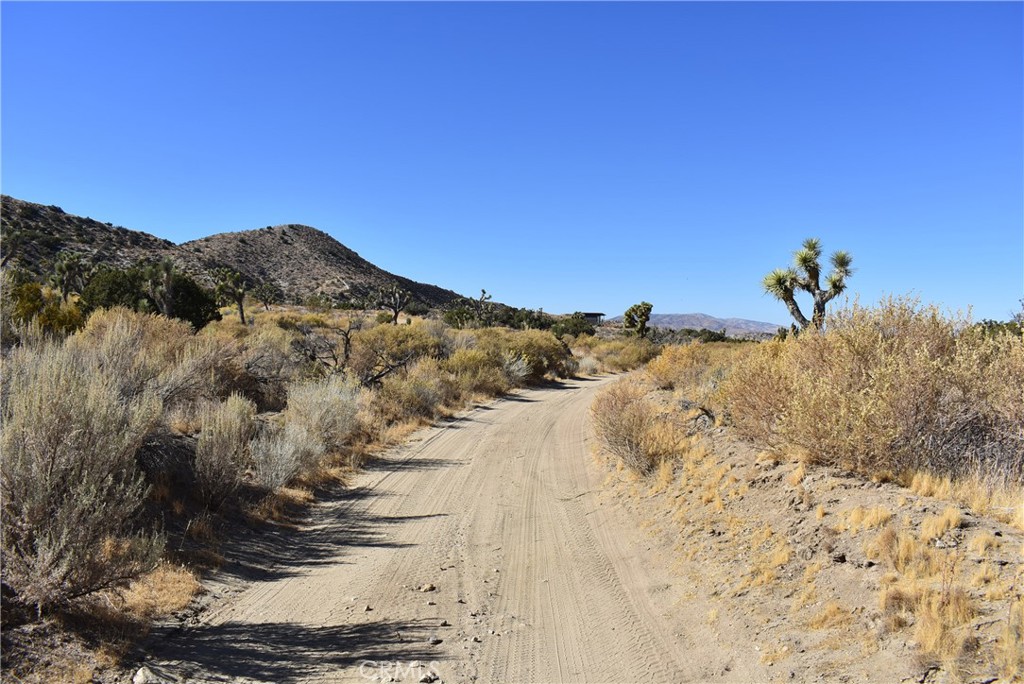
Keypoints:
pixel 300 260
pixel 734 327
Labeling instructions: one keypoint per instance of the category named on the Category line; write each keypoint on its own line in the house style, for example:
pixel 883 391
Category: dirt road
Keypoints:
pixel 481 551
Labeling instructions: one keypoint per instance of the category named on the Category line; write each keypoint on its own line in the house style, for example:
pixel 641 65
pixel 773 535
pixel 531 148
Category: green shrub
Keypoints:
pixel 111 287
pixel 31 303
pixel 541 352
pixel 574 325
pixel 419 393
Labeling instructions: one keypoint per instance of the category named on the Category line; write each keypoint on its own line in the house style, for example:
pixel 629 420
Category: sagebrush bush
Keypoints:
pixel 327 408
pixel 70 487
pixel 419 392
pixel 280 454
pixel 222 450
pixel 134 347
pixel 623 420
pixel 588 365
pixel 890 389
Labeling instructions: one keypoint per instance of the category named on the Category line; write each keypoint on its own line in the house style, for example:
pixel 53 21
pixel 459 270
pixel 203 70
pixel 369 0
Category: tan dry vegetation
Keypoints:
pixel 863 567
pixel 261 417
pixel 929 402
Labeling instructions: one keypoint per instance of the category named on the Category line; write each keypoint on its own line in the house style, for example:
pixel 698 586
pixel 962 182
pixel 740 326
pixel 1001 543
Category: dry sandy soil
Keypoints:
pixel 535 576
pixel 497 548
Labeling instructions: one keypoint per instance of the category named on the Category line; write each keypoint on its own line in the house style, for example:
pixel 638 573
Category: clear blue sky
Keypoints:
pixel 562 155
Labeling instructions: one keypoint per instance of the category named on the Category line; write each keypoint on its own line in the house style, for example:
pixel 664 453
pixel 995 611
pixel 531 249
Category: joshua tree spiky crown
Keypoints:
pixel 231 288
pixel 805 275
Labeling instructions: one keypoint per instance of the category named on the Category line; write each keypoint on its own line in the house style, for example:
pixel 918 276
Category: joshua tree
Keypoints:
pixel 68 274
pixel 394 299
pixel 805 275
pixel 231 289
pixel 636 317
pixel 484 309
pixel 159 280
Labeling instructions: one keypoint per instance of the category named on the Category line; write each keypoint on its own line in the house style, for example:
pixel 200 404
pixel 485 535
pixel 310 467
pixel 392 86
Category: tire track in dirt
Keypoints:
pixel 536 578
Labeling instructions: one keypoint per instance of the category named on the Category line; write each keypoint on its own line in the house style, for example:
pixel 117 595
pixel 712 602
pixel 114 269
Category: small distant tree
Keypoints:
pixel 394 299
pixel 267 293
pixel 805 275
pixel 110 287
pixel 192 302
pixel 231 289
pixel 574 325
pixel 636 317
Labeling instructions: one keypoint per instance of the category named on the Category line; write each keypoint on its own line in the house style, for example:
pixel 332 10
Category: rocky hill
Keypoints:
pixel 300 260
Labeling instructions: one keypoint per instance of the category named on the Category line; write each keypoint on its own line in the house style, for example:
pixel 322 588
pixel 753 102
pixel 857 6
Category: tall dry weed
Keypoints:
pixel 623 421
pixel 222 450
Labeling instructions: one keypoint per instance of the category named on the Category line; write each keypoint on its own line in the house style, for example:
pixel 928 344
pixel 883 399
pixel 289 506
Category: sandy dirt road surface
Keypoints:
pixel 536 575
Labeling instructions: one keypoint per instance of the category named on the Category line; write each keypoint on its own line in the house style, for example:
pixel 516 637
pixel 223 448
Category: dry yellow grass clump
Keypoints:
pixel 166 589
pixel 934 526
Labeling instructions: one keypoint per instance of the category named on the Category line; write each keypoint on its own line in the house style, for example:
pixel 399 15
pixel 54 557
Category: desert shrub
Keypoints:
pixel 111 287
pixel 516 369
pixel 757 392
pixel 541 351
pixel 385 349
pixel 33 303
pixel 588 365
pixel 70 486
pixel 696 369
pixel 623 419
pixel 194 373
pixel 222 451
pixel 266 362
pixel 476 373
pixel 193 303
pixel 326 408
pixel 147 351
pixel 417 393
pixel 618 354
pixel 895 388
pixel 282 453
pixel 679 366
